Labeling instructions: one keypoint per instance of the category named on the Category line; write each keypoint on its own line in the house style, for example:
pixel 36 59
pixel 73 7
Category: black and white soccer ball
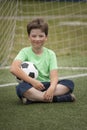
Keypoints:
pixel 30 69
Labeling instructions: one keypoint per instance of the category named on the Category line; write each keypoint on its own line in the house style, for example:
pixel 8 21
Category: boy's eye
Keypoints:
pixel 40 35
pixel 33 35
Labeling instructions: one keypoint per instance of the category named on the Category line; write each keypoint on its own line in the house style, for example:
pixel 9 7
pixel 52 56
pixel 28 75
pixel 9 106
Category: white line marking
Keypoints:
pixel 47 17
pixel 74 76
pixel 8 85
pixel 65 68
pixel 4 67
pixel 66 77
pixel 73 68
pixel 74 23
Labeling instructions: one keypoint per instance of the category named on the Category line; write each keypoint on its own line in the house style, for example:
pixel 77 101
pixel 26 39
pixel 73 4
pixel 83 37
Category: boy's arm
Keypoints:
pixel 53 79
pixel 53 83
pixel 16 70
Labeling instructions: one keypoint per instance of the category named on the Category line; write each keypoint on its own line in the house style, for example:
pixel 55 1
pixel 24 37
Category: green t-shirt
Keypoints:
pixel 44 62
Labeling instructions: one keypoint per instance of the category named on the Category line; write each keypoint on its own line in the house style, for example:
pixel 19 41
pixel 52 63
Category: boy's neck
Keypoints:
pixel 38 51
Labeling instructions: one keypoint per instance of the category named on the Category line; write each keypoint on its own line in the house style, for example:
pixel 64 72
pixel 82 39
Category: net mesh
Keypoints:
pixel 8 12
pixel 67 29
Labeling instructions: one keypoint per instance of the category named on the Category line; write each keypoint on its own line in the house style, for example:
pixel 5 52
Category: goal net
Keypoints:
pixel 67 21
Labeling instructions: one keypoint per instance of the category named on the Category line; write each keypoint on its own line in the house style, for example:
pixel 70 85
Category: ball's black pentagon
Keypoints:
pixel 31 74
pixel 25 65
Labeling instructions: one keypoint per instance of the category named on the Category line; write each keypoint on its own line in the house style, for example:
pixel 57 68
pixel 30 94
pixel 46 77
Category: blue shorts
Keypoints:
pixel 24 86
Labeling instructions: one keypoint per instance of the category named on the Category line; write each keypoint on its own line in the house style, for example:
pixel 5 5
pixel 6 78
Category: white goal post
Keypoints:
pixel 67 21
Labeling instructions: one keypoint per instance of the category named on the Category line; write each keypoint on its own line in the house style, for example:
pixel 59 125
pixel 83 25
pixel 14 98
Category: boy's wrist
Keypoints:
pixel 52 87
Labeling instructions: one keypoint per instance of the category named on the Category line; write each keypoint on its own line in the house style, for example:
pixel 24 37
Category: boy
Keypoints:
pixel 46 88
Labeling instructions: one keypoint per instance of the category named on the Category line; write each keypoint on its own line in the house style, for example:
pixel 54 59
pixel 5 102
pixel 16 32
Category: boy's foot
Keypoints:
pixel 64 98
pixel 73 97
pixel 26 101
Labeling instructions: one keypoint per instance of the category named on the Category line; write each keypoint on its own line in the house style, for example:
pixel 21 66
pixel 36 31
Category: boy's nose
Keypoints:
pixel 37 38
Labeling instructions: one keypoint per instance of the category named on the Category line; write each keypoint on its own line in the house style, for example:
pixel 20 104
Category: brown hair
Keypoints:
pixel 38 23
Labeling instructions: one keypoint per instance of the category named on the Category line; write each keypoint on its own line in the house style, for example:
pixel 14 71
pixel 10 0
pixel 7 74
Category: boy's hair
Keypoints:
pixel 38 23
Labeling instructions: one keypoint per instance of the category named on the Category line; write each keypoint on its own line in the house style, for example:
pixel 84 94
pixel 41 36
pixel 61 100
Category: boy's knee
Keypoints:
pixel 22 88
pixel 68 83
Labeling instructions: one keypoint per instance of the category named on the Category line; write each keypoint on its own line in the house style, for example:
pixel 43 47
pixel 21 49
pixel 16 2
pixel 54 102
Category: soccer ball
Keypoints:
pixel 30 69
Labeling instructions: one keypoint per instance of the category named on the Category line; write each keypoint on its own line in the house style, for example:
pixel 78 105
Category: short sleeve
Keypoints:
pixel 53 61
pixel 21 56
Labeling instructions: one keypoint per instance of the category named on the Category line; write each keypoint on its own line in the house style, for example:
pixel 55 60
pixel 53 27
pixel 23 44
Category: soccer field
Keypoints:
pixel 68 38
pixel 49 116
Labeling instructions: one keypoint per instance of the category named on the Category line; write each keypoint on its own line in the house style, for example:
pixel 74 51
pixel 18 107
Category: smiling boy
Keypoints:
pixel 47 87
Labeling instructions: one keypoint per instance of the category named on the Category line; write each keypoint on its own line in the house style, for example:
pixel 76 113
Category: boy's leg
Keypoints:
pixel 26 90
pixel 34 95
pixel 63 92
pixel 64 86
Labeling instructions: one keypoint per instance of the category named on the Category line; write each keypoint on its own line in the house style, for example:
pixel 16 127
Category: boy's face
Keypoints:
pixel 37 38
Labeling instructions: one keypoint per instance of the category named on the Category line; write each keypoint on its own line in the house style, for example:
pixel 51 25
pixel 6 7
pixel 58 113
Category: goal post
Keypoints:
pixel 67 36
pixel 8 12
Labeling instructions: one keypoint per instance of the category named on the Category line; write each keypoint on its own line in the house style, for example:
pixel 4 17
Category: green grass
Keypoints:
pixel 69 44
pixel 64 61
pixel 59 8
pixel 49 116
pixel 64 40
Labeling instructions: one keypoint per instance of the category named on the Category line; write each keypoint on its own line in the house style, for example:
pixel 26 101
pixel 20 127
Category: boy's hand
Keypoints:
pixel 48 97
pixel 38 85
